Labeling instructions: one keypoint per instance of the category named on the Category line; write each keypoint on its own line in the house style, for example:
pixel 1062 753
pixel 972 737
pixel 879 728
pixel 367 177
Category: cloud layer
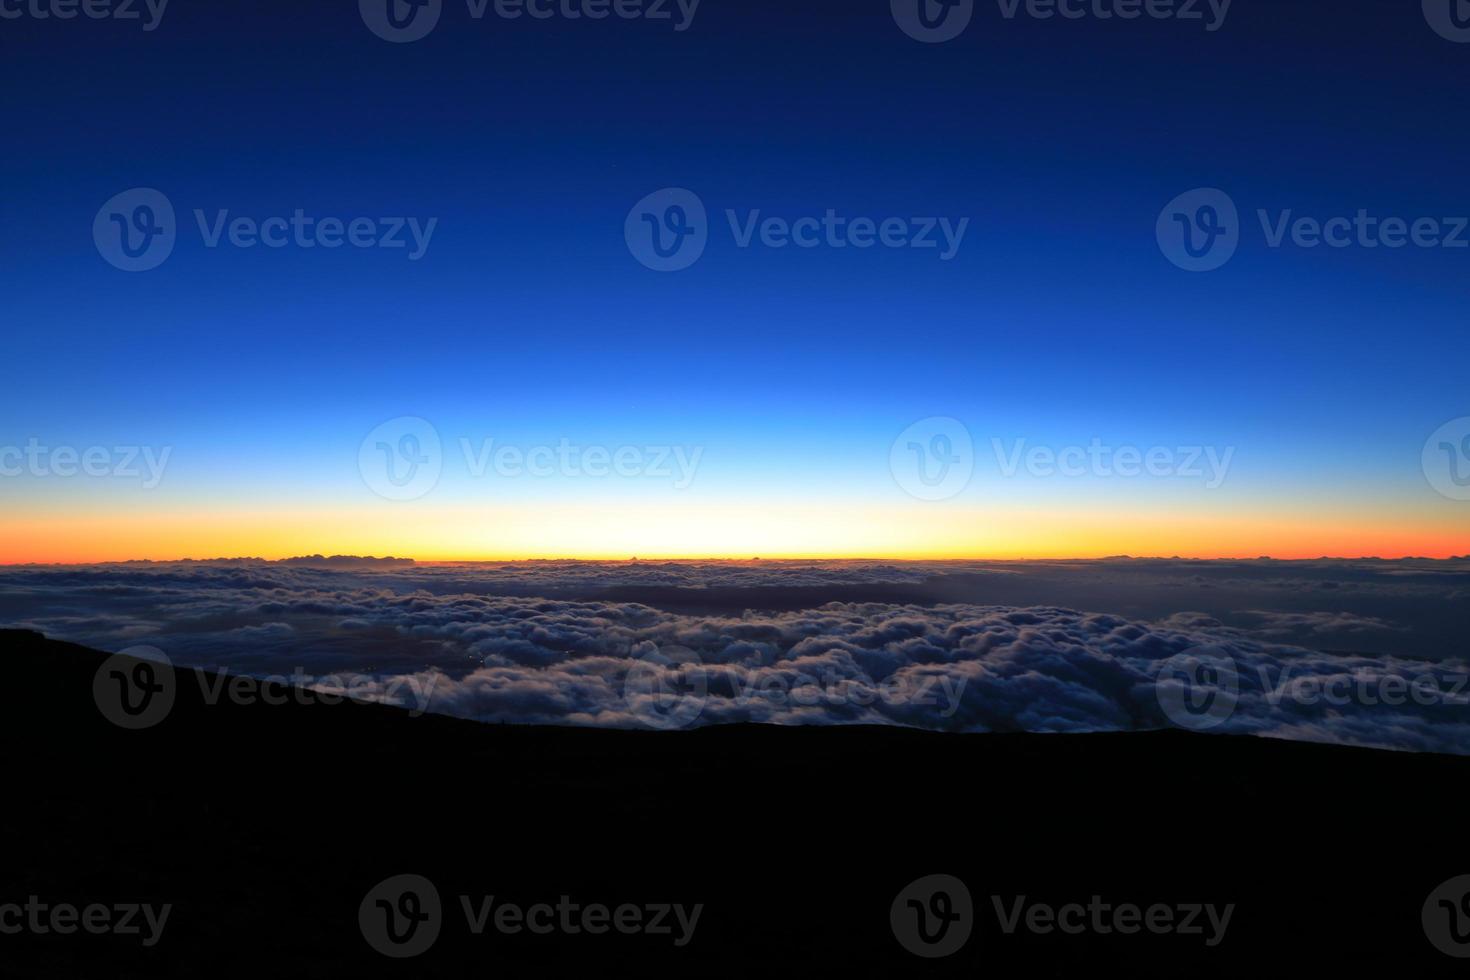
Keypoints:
pixel 453 634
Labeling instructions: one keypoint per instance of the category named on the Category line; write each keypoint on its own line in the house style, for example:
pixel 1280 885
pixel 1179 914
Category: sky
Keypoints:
pixel 800 387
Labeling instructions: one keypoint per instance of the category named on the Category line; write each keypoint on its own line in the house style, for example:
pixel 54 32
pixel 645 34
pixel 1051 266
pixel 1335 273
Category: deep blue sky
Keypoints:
pixel 529 141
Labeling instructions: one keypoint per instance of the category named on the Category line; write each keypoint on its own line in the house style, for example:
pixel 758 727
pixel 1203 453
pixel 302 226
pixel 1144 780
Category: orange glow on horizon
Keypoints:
pixel 845 531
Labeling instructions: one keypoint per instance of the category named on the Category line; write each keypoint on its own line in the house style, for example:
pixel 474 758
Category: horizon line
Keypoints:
pixel 634 559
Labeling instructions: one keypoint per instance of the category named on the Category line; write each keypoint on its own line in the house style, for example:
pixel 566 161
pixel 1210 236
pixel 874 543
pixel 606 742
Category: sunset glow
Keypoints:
pixel 470 533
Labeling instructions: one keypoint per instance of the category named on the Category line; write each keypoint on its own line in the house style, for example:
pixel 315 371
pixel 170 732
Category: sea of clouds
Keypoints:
pixel 539 642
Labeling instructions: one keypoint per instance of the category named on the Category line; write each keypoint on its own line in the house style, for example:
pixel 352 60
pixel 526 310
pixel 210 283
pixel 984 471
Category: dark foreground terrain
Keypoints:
pixel 265 827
